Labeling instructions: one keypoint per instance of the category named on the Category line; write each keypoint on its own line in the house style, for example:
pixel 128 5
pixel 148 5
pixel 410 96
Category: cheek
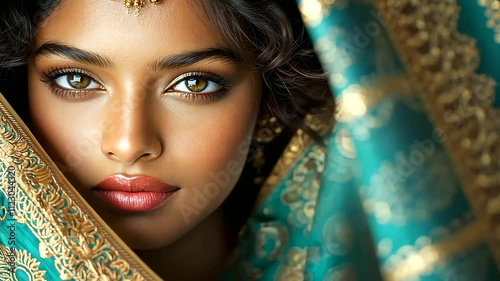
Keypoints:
pixel 64 131
pixel 217 144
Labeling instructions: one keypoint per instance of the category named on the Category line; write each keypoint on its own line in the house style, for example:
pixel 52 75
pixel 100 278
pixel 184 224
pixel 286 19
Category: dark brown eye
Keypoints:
pixel 79 81
pixel 196 84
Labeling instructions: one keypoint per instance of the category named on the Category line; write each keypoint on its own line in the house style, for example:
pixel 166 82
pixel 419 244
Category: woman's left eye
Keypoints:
pixel 77 81
pixel 198 85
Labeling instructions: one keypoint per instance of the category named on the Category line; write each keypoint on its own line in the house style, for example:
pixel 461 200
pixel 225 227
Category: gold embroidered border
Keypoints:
pixel 296 147
pixel 428 257
pixel 61 219
pixel 301 191
pixel 320 123
pixel 445 62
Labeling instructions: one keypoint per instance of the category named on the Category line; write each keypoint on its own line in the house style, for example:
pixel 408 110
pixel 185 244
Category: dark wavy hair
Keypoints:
pixel 267 34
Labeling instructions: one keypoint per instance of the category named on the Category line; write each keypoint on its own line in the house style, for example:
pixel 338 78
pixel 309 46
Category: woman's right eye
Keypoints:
pixel 72 83
pixel 77 81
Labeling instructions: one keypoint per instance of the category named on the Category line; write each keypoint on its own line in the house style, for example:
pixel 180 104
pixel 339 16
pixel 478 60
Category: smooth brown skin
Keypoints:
pixel 133 126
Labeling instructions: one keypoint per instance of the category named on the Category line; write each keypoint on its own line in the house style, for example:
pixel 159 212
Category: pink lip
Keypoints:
pixel 136 193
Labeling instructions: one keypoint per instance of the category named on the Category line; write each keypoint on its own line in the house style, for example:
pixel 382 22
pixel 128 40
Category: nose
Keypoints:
pixel 129 135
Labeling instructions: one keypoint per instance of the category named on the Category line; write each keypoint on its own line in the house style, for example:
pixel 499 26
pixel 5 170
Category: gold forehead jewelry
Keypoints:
pixel 137 4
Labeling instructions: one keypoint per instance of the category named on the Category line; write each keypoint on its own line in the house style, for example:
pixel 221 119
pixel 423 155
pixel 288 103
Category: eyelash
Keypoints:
pixel 197 97
pixel 51 76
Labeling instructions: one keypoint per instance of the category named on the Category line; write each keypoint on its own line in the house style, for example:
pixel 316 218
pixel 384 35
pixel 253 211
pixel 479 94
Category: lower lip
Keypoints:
pixel 135 201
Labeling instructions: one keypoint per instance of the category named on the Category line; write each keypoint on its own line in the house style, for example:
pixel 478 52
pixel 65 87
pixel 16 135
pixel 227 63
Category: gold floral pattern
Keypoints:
pixel 292 152
pixel 26 265
pixel 321 124
pixel 301 192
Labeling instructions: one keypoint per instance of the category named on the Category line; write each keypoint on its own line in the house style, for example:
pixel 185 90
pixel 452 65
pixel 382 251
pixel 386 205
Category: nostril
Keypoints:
pixel 111 155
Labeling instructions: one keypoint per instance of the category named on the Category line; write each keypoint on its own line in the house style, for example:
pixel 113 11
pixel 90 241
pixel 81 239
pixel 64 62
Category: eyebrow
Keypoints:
pixel 192 57
pixel 170 62
pixel 86 57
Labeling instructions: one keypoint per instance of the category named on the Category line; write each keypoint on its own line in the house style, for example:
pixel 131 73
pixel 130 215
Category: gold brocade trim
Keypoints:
pixel 301 190
pixel 291 154
pixel 427 258
pixel 493 15
pixel 320 123
pixel 82 245
pixel 460 101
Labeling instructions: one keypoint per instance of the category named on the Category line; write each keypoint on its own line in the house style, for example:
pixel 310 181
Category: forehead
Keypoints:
pixel 103 26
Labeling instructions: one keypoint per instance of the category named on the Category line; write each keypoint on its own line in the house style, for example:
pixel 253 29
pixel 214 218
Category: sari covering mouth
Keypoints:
pixel 405 186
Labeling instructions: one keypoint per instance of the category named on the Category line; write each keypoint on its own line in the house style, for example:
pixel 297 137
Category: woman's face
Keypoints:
pixel 150 117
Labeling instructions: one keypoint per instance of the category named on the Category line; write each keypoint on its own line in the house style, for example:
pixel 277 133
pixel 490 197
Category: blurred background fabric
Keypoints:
pixel 408 185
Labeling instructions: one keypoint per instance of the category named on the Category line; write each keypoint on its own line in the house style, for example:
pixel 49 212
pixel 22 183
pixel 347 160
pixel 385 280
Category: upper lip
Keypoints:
pixel 139 183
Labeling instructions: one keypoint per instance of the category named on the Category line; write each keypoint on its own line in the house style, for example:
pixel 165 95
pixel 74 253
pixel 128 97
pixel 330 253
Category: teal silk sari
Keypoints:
pixel 406 186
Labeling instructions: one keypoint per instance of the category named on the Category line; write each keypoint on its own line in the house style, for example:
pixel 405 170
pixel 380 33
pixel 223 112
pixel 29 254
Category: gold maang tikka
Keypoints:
pixel 137 4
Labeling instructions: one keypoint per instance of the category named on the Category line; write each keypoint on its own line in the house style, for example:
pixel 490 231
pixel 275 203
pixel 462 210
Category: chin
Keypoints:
pixel 142 233
pixel 145 239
